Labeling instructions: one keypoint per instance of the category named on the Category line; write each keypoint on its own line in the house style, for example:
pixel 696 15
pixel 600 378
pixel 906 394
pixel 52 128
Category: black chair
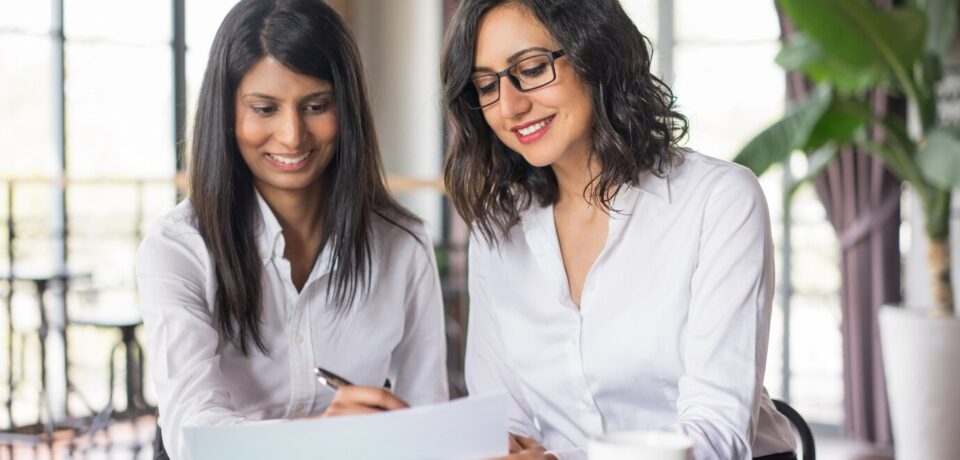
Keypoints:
pixel 807 448
pixel 116 314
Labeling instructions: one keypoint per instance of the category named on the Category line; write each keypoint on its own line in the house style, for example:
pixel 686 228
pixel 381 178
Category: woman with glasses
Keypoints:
pixel 617 281
pixel 289 252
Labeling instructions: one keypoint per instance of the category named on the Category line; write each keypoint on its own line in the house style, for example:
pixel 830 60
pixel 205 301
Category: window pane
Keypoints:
pixel 729 92
pixel 644 15
pixel 31 16
pixel 4 234
pixel 203 18
pixel 36 247
pixel 729 20
pixel 817 364
pixel 118 20
pixel 27 138
pixel 103 230
pixel 120 116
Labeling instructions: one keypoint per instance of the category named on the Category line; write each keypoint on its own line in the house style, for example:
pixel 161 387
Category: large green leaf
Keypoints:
pixel 939 158
pixel 804 54
pixel 862 35
pixel 790 133
pixel 838 125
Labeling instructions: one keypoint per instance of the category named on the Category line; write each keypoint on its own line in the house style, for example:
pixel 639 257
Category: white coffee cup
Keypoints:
pixel 640 445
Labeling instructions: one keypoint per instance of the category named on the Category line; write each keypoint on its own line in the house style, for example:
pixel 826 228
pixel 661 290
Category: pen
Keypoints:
pixel 334 381
pixel 331 380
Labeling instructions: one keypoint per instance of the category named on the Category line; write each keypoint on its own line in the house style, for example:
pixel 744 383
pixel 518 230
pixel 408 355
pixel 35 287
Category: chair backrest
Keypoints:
pixel 807 447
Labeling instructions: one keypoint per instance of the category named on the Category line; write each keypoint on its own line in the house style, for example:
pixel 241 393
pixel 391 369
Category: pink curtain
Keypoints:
pixel 862 201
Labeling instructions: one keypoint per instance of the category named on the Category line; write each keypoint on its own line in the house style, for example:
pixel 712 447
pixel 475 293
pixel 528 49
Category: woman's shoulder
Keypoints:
pixel 181 221
pixel 699 173
pixel 397 231
pixel 174 235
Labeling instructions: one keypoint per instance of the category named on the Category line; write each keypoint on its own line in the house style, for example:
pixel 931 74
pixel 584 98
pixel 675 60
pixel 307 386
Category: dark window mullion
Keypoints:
pixel 666 38
pixel 786 283
pixel 61 177
pixel 60 128
pixel 179 45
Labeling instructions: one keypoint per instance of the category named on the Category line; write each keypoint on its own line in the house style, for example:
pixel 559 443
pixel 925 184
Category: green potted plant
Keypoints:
pixel 849 47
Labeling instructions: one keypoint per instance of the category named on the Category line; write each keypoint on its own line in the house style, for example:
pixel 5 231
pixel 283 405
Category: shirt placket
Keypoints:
pixel 302 386
pixel 544 246
pixel 586 407
pixel 300 343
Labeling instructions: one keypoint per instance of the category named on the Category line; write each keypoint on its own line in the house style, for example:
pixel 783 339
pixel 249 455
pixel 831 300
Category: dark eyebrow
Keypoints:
pixel 309 96
pixel 260 95
pixel 317 94
pixel 514 57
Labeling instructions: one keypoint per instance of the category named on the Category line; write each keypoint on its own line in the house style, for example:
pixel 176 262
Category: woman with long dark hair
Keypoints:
pixel 289 252
pixel 617 281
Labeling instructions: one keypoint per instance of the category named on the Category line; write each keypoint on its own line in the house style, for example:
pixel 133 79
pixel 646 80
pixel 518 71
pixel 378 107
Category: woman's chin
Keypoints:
pixel 538 159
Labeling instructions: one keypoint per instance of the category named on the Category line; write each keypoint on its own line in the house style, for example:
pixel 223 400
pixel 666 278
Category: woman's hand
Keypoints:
pixel 357 399
pixel 523 448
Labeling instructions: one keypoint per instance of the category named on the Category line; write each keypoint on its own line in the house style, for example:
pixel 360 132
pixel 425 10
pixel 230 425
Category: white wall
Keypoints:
pixel 400 44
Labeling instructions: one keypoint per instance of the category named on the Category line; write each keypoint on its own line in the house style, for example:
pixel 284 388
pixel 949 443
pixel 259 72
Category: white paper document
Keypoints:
pixel 467 428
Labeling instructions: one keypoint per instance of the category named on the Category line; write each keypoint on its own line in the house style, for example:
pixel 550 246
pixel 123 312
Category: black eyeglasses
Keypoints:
pixel 532 72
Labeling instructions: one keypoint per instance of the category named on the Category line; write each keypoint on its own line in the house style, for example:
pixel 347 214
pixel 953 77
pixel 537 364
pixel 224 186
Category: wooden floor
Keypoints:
pixel 127 440
pixel 843 449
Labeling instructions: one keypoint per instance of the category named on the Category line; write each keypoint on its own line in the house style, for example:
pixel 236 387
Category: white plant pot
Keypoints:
pixel 921 357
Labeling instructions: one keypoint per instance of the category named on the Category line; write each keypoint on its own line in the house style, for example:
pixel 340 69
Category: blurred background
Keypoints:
pixel 96 96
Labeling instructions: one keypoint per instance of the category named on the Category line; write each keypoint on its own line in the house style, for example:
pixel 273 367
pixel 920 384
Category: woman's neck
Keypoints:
pixel 574 178
pixel 300 217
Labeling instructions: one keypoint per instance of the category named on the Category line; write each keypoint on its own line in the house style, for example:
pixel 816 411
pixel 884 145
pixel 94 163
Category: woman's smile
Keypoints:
pixel 289 162
pixel 529 132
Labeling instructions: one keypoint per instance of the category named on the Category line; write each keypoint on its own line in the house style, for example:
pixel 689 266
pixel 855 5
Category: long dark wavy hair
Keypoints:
pixel 636 127
pixel 307 37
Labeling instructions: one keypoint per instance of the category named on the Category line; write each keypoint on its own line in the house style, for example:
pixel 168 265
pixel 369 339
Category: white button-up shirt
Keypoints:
pixel 672 329
pixel 396 332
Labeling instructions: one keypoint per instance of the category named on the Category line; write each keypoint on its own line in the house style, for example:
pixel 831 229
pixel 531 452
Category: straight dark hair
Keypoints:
pixel 307 37
pixel 636 127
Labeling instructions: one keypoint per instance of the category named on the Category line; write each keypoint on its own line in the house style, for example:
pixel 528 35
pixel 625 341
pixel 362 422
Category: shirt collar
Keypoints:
pixel 537 221
pixel 539 218
pixel 651 184
pixel 270 240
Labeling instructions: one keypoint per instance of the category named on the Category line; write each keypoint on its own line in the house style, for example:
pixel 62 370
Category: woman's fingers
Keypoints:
pixel 523 448
pixel 514 445
pixel 357 399
pixel 339 409
pixel 526 443
pixel 370 396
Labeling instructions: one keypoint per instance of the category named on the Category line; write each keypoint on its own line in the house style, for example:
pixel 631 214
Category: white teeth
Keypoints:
pixel 289 160
pixel 532 128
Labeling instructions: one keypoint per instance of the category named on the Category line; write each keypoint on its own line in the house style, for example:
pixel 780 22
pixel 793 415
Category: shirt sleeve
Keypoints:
pixel 419 362
pixel 487 369
pixel 182 336
pixel 728 323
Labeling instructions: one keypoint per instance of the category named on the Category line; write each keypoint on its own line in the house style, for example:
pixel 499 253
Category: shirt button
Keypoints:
pixel 586 402
pixel 299 339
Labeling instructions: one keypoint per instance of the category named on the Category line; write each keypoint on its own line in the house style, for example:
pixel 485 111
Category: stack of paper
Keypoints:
pixel 468 428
